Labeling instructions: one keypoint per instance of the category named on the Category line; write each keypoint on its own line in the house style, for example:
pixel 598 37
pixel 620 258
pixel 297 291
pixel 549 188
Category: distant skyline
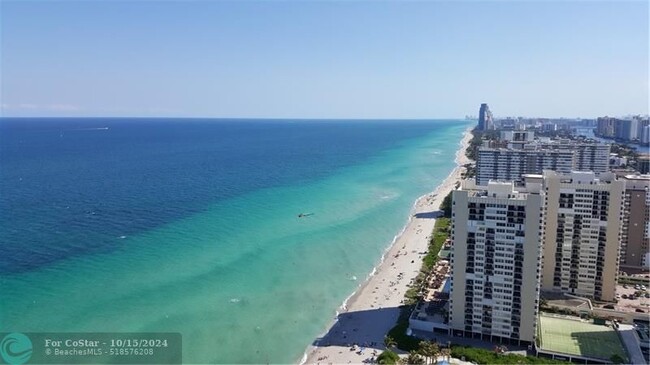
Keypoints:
pixel 323 59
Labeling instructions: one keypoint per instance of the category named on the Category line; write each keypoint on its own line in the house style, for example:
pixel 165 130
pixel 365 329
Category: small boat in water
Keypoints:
pixel 302 215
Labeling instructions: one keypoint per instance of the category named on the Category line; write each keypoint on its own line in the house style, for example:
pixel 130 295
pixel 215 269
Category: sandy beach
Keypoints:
pixel 374 307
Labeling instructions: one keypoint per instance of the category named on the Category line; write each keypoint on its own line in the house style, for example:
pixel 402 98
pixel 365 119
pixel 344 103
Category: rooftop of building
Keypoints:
pixel 533 176
pixel 582 177
pixel 578 337
pixel 527 147
pixel 539 143
pixel 645 177
pixel 622 172
pixel 502 189
pixel 495 189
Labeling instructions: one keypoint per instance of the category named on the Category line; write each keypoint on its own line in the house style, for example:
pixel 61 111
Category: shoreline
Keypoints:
pixel 372 309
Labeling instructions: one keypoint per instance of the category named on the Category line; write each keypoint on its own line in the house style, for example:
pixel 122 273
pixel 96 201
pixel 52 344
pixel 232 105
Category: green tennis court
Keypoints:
pixel 579 338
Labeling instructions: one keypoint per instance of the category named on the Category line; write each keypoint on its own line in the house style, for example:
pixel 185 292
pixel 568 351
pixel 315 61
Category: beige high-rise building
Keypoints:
pixel 496 253
pixel 636 222
pixel 582 233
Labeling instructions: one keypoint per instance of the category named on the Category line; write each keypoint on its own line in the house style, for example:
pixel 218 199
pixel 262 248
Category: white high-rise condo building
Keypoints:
pixel 589 156
pixel 511 164
pixel 582 232
pixel 496 253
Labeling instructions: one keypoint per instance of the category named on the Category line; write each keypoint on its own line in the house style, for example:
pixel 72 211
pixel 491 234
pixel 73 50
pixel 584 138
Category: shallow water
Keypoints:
pixel 163 238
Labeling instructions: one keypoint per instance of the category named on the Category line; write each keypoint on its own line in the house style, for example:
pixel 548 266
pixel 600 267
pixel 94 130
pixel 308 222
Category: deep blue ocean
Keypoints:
pixel 190 225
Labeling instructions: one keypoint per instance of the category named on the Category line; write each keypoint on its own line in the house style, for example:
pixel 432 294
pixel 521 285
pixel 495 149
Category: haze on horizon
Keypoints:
pixel 269 59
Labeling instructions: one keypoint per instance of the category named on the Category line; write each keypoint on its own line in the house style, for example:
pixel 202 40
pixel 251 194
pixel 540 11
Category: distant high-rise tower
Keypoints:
pixel 485 118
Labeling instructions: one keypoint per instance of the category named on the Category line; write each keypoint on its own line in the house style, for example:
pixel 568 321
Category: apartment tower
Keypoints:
pixel 636 222
pixel 582 233
pixel 535 157
pixel 496 253
pixel 512 164
pixel 589 156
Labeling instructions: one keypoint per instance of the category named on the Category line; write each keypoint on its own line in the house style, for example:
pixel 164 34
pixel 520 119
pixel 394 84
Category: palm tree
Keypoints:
pixel 543 302
pixel 428 350
pixel 446 353
pixel 422 351
pixel 413 358
pixel 389 342
pixel 435 351
pixel 387 357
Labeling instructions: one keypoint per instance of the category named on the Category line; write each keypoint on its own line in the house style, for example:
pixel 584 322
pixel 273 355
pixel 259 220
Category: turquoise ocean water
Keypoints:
pixel 241 278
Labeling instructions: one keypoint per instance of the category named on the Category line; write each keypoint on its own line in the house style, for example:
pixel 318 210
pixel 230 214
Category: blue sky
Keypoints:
pixel 317 59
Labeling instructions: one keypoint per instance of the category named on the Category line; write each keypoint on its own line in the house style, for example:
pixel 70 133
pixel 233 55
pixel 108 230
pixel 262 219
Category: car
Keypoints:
pixel 624 296
pixel 625 286
pixel 637 287
pixel 647 295
pixel 609 306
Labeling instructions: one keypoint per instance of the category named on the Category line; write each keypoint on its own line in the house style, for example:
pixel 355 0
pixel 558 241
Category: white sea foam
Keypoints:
pixel 303 359
pixel 343 307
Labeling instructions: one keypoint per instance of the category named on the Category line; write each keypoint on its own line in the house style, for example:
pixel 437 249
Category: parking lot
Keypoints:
pixel 631 297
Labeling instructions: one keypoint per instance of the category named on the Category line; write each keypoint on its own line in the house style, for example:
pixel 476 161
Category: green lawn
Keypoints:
pixel 579 338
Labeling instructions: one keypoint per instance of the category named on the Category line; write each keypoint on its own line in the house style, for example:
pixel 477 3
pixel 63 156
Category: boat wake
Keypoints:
pixel 91 129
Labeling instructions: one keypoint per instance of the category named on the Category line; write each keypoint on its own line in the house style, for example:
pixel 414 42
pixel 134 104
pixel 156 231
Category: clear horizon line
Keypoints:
pixel 236 118
pixel 463 118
